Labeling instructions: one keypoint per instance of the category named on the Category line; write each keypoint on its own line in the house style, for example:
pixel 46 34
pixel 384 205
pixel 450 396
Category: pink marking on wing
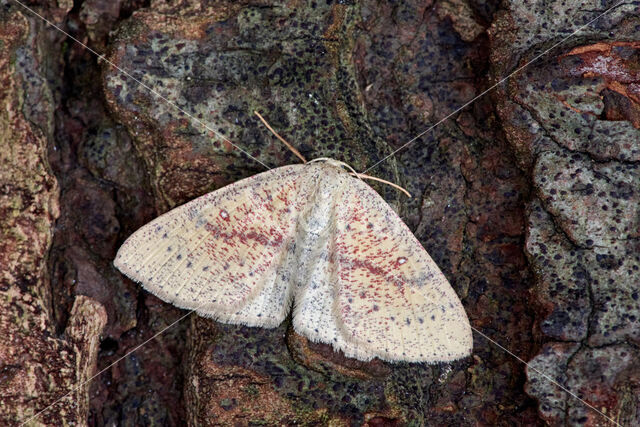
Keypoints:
pixel 231 238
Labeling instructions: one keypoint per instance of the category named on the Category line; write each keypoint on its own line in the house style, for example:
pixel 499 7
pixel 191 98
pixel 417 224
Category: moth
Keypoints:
pixel 312 238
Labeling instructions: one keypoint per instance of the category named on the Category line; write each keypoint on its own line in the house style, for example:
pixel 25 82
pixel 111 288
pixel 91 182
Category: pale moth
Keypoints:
pixel 309 236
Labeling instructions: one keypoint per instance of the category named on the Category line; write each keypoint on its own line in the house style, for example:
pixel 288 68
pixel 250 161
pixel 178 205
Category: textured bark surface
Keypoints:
pixel 527 200
pixel 572 119
pixel 40 359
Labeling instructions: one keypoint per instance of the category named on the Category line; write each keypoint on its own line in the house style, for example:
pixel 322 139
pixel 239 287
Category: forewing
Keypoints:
pixel 392 299
pixel 222 253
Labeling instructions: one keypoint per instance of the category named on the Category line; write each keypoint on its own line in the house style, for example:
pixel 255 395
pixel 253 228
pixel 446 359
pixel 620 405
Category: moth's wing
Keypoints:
pixel 225 253
pixel 391 298
pixel 314 315
pixel 314 300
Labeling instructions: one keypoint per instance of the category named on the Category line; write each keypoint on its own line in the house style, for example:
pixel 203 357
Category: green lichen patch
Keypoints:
pixel 304 88
pixel 595 203
pixel 573 124
pixel 563 287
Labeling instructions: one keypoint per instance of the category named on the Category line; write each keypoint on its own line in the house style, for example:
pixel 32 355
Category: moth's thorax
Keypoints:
pixel 329 162
pixel 325 180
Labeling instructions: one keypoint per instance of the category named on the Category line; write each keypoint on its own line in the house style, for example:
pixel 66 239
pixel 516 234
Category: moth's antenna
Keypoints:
pixel 384 181
pixel 361 175
pixel 284 141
